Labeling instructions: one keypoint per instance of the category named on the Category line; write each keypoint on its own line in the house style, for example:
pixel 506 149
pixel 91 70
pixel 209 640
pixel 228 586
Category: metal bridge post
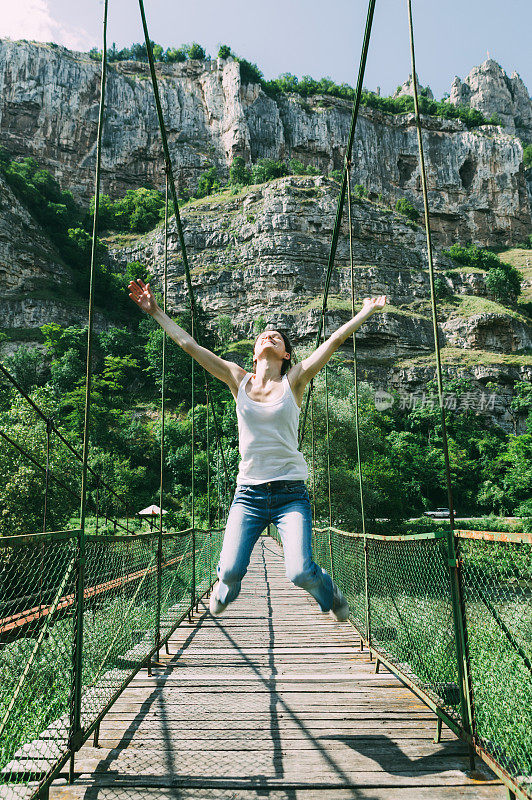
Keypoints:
pixel 461 639
pixel 457 599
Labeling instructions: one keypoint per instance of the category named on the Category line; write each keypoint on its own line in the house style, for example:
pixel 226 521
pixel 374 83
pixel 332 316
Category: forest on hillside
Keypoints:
pixel 401 446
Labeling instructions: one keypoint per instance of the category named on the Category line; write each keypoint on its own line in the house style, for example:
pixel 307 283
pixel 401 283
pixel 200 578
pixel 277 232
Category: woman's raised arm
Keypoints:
pixel 226 371
pixel 303 372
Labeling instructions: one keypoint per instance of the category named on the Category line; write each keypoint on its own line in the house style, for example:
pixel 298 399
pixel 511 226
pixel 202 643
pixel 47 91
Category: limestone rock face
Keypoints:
pixel 489 89
pixel 50 108
pixel 408 88
pixel 27 258
pixel 37 287
pixel 498 333
pixel 263 255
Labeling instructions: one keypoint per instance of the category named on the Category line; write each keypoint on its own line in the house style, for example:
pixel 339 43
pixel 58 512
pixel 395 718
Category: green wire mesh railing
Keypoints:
pixel 38 602
pixel 497 577
pixel 405 616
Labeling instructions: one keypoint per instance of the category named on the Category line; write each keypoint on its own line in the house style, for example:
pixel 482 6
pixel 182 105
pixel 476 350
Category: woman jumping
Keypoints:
pixel 272 472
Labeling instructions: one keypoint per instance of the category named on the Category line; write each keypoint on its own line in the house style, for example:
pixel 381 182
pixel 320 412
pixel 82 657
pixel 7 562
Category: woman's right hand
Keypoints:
pixel 142 295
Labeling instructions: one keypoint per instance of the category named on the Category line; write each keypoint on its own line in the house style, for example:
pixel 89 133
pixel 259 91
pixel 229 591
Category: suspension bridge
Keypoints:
pixel 117 683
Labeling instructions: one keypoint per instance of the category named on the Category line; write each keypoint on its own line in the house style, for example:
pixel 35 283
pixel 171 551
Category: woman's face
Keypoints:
pixel 271 340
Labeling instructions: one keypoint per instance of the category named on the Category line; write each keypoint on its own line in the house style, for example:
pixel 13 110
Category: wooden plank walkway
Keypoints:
pixel 272 700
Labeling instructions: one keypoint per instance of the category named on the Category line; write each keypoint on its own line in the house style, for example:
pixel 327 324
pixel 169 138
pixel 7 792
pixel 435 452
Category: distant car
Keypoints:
pixel 440 513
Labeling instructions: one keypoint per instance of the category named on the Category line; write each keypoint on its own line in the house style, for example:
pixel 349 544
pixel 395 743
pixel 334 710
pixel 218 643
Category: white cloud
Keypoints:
pixel 31 19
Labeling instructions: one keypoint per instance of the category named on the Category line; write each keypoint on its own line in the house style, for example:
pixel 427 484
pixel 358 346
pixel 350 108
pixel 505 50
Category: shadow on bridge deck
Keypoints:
pixel 272 700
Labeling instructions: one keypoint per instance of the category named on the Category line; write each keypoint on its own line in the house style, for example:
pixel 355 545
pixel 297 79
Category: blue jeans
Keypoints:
pixel 286 504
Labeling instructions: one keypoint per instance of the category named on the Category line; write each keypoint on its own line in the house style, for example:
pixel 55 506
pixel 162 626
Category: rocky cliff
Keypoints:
pixel 37 286
pixel 49 110
pixel 263 254
pixel 494 93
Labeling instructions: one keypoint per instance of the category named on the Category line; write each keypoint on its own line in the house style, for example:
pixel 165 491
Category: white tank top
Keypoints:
pixel 267 438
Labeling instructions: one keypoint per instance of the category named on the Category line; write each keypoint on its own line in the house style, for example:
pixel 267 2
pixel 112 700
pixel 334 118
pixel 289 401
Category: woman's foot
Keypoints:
pixel 216 607
pixel 340 606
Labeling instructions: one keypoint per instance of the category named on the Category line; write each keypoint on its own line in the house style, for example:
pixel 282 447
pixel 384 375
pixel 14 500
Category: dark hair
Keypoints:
pixel 287 362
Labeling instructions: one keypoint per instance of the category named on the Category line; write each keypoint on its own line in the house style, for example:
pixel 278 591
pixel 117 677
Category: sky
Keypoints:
pixel 305 37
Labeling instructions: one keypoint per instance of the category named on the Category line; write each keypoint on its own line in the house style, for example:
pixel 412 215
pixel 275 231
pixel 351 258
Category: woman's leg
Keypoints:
pixel 293 518
pixel 246 520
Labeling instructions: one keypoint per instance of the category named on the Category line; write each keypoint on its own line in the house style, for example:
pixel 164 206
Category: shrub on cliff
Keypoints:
pixel 307 87
pixel 407 209
pixel 138 52
pixel 502 280
pixel 224 51
pixel 249 73
pixel 176 55
pixel 473 256
pixel 208 183
pixel 42 195
pixel 138 211
pixel 527 155
pixel 267 168
pixel 239 174
pixel 298 168
pixel 196 52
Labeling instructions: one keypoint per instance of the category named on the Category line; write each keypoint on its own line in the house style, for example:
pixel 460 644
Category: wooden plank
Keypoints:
pixel 167 740
pixel 322 780
pixel 360 793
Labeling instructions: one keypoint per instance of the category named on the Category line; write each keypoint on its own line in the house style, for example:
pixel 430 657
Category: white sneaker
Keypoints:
pixel 340 606
pixel 216 607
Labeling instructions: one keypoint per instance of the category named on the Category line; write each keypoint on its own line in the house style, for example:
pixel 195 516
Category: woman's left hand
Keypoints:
pixel 374 303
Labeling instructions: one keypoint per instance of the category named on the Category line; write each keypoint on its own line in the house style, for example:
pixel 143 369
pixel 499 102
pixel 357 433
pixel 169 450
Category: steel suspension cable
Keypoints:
pixel 328 448
pixel 466 694
pixel 357 423
pixel 47 478
pixel 343 189
pixel 77 654
pixel 313 451
pixel 175 204
pixel 209 534
pixel 207 421
pixel 163 410
pixel 193 474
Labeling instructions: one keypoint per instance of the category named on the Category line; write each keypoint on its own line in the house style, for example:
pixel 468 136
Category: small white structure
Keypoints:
pixel 151 512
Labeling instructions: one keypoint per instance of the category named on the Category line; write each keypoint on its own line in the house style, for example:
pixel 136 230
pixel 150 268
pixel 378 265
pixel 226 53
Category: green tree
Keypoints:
pixel 176 55
pixel 407 209
pixel 472 256
pixel 178 366
pixel 196 52
pixel 239 174
pixel 106 213
pixel 259 325
pixel 249 73
pixel 208 183
pixel 225 329
pixel 224 51
pixel 67 371
pixel 27 367
pixel 503 282
pixel 139 210
pixel 267 168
